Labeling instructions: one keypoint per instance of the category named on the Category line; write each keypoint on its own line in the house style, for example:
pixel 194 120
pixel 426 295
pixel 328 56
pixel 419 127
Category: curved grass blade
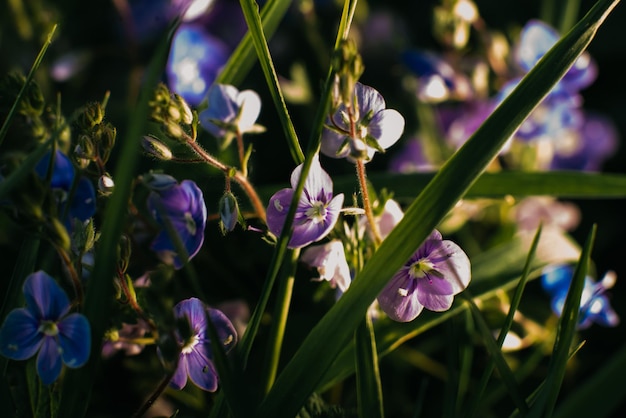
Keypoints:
pixel 566 331
pixel 77 384
pixel 304 372
pixel 255 25
pixel 242 60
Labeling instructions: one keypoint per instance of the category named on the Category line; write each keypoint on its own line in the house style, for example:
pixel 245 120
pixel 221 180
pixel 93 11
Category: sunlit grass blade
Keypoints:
pixel 304 372
pixel 251 14
pixel 506 326
pixel 77 384
pixel 566 331
pixel 600 394
pixel 242 60
pixel 369 389
pixel 33 69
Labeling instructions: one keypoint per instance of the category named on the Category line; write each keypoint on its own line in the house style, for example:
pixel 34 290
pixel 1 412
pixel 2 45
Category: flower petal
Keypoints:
pixel 399 298
pixel 369 99
pixel 387 126
pixel 224 328
pixel 179 379
pixel 201 369
pixel 308 231
pixel 44 297
pixel 19 335
pixel 435 302
pixel 453 264
pixel 49 362
pixel 250 104
pixel 277 210
pixel 75 339
pixel 195 311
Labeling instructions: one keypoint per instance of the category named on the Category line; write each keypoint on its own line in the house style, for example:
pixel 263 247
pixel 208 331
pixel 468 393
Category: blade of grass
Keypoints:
pixel 255 26
pixel 77 384
pixel 566 331
pixel 506 326
pixel 369 389
pixel 299 379
pixel 42 52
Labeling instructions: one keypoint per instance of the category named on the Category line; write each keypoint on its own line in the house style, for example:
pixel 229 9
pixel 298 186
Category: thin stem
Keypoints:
pixel 238 176
pixel 67 263
pixel 156 394
pixel 241 153
pixel 132 301
pixel 367 206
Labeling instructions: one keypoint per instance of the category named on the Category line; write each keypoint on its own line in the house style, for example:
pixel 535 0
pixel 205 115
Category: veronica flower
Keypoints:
pixel 195 360
pixel 83 201
pixel 594 304
pixel 317 210
pixel 376 128
pixel 436 272
pixel 330 261
pixel 230 111
pixel 181 207
pixel 45 326
pixel 195 59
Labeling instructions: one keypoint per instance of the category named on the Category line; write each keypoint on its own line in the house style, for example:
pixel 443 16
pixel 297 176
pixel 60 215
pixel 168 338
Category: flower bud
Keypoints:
pixel 155 148
pixel 124 248
pixel 106 185
pixel 349 67
pixel 229 212
pixel 92 115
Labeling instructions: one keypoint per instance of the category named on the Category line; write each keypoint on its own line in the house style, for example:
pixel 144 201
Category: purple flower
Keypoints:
pixel 330 261
pixel 195 59
pixel 181 206
pixel 83 203
pixel 411 159
pixel 230 111
pixel 376 128
pixel 196 356
pixel 47 327
pixel 436 272
pixel 317 210
pixel 594 304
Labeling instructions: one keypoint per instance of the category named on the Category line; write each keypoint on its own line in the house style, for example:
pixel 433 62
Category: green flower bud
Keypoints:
pixel 229 212
pixel 92 115
pixel 155 148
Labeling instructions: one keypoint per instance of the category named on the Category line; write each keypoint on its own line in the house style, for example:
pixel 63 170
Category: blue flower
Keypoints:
pixel 83 203
pixel 437 271
pixel 46 327
pixel 230 110
pixel 196 356
pixel 317 210
pixel 594 304
pixel 195 59
pixel 181 206
pixel 376 128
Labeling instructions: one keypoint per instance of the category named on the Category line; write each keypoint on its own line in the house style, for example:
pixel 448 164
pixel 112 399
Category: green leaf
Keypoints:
pixel 304 372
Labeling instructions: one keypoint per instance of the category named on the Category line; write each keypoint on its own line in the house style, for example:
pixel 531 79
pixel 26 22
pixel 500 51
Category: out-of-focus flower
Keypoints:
pixel 411 159
pixel 46 327
pixel 195 360
pixel 533 210
pixel 594 303
pixel 437 80
pixel 317 210
pixel 182 207
pixel 536 39
pixel 375 127
pixel 436 272
pixel 230 111
pixel 387 218
pixel 330 261
pixel 238 312
pixel 83 203
pixel 195 59
pixel 123 339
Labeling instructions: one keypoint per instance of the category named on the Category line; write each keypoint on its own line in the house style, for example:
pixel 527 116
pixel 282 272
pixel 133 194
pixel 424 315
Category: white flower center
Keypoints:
pixel 188 348
pixel 317 212
pixel 421 268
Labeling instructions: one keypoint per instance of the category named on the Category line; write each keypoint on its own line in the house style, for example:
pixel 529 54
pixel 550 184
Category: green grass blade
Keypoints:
pixel 243 58
pixel 300 378
pixel 255 25
pixel 566 331
pixel 506 326
pixel 77 383
pixel 600 394
pixel 7 122
pixel 369 389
